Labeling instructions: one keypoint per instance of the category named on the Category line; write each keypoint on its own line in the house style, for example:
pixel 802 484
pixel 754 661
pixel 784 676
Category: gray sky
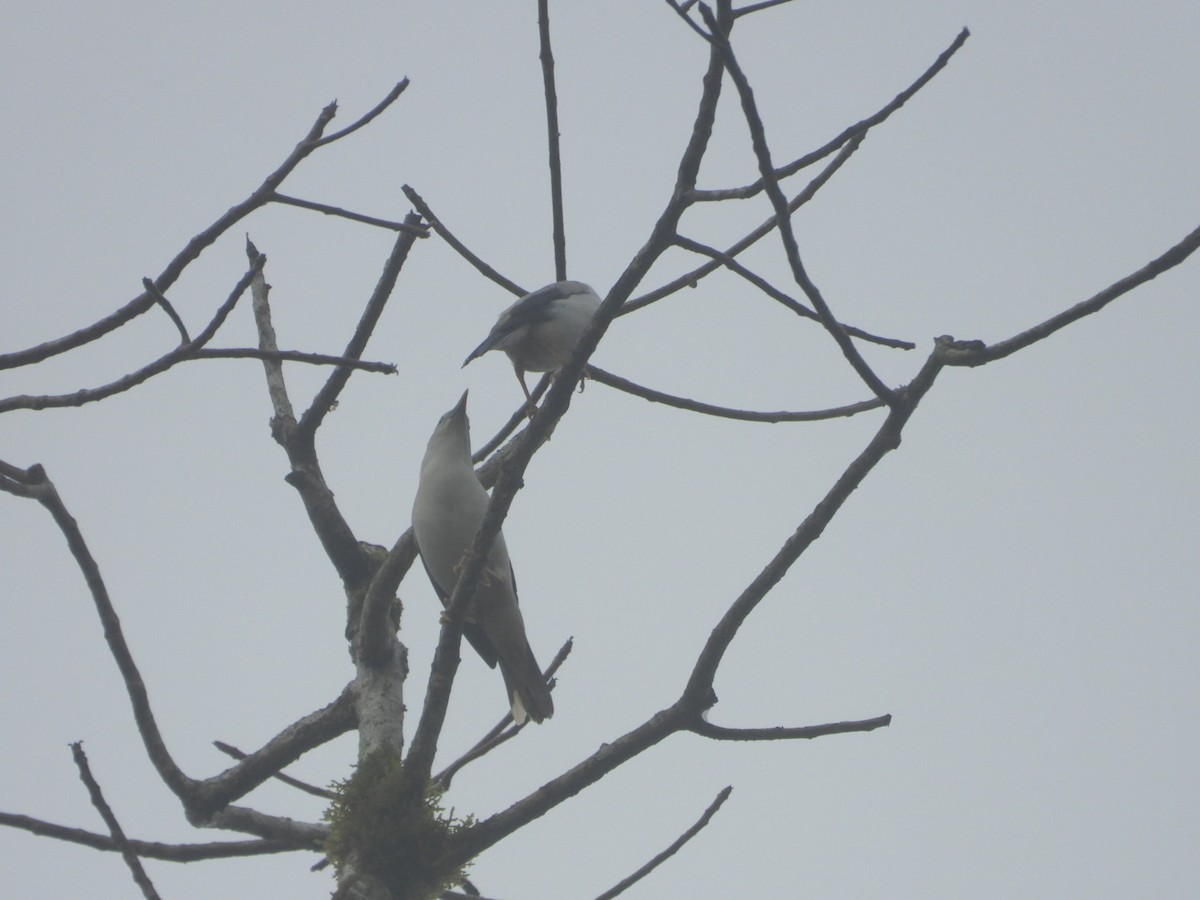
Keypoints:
pixel 1016 585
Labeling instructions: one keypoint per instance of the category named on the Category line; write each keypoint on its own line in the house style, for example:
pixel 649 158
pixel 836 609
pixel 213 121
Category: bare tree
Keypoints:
pixel 387 831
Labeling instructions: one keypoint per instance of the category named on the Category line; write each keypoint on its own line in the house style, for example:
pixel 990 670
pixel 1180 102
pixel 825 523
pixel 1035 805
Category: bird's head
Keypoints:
pixel 453 431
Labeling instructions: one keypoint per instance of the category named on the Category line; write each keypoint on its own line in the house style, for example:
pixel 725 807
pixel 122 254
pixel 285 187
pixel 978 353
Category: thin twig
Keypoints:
pixel 517 419
pixel 148 849
pixel 724 412
pixel 237 754
pixel 370 115
pixel 500 732
pixel 179 354
pixel 689 279
pixel 315 359
pixel 792 251
pixel 625 883
pixel 328 210
pixel 261 195
pixel 161 299
pixel 857 131
pixel 755 7
pixel 775 294
pixel 977 353
pixel 140 878
pixel 546 55
pixel 682 8
pixel 327 396
pixel 458 246
pixel 260 294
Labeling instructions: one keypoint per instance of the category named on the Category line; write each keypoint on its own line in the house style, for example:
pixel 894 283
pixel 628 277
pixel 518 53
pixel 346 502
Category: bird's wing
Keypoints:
pixel 472 631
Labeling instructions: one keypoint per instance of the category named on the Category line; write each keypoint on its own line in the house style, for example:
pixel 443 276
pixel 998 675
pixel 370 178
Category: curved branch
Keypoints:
pixel 43 490
pixel 458 246
pixel 724 412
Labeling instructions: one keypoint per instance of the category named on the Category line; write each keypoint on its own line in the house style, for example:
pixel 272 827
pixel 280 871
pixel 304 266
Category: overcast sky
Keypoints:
pixel 1017 584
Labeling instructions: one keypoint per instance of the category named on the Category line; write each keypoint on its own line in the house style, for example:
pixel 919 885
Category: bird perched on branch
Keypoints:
pixel 540 331
pixel 447 512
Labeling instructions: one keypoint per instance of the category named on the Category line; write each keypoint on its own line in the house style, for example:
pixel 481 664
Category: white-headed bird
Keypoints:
pixel 541 330
pixel 447 511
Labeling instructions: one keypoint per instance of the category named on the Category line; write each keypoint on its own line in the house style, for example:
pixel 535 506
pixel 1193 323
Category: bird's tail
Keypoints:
pixel 528 693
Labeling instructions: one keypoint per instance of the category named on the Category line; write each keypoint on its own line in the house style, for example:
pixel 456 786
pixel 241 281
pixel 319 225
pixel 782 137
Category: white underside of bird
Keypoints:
pixel 449 506
pixel 541 330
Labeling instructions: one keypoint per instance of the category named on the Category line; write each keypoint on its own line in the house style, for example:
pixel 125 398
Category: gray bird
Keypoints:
pixel 540 331
pixel 447 512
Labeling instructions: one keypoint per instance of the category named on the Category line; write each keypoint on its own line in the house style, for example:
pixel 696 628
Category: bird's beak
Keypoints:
pixel 460 408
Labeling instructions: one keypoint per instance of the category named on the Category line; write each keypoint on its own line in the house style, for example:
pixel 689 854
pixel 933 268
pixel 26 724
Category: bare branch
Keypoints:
pixel 148 849
pixel 260 293
pixel 755 7
pixel 976 353
pixel 261 195
pixel 546 55
pixel 140 878
pixel 317 728
pixel 458 246
pixel 763 153
pixel 182 353
pixel 886 439
pixel 724 412
pixel 299 785
pixel 379 107
pixel 855 132
pixel 626 883
pixel 300 835
pixel 682 8
pixel 419 230
pixel 500 732
pixel 300 356
pixel 775 294
pixel 610 756
pixel 780 733
pixel 698 695
pixel 42 489
pixel 689 279
pixel 327 396
pixel 161 299
pixel 517 419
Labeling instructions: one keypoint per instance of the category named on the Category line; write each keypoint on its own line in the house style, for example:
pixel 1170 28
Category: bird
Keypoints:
pixel 541 330
pixel 448 508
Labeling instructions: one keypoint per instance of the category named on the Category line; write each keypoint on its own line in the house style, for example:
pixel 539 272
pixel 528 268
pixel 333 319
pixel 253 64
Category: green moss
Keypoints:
pixel 403 840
